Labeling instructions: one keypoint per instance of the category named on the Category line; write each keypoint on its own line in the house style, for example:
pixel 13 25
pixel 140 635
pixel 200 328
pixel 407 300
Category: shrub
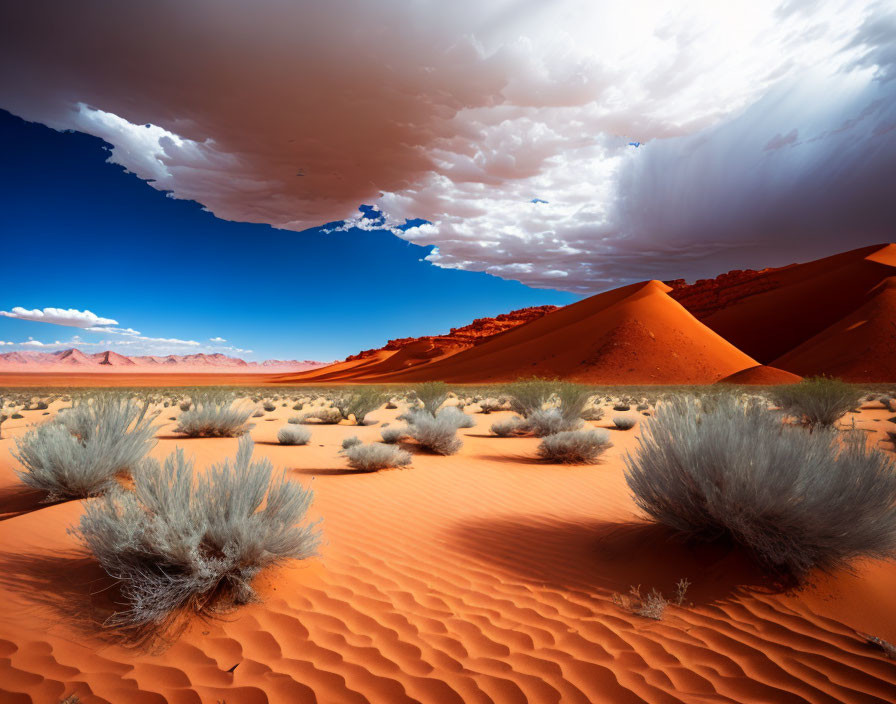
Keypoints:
pixel 376 456
pixel 624 422
pixel 214 416
pixel 572 400
pixel 487 405
pixel 269 406
pixel 181 540
pixel 258 414
pixel 510 426
pixel 359 403
pixel 325 414
pixel 293 435
pixel 184 405
pixel 295 420
pixel 529 395
pixel 797 500
pixel 393 435
pixel 574 446
pixel 551 421
pixel 435 433
pixel 350 442
pixel 817 401
pixel 592 411
pixel 87 448
pixel 455 416
pixel 432 394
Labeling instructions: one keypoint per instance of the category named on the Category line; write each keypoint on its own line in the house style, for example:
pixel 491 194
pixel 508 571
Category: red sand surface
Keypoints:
pixel 761 375
pixel 859 347
pixel 477 578
pixel 801 301
pixel 632 335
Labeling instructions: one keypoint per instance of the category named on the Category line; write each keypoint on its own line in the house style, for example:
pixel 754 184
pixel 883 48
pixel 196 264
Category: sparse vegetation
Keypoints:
pixel 510 426
pixel 529 395
pixel 293 435
pixel 797 500
pixel 574 446
pixel 359 403
pixel 269 406
pixel 435 433
pixel 654 604
pixel 392 435
pixel 195 541
pixel 624 422
pixel 551 421
pixel 817 401
pixel 455 416
pixel 214 416
pixel 350 442
pixel 376 456
pixel 432 394
pixel 87 449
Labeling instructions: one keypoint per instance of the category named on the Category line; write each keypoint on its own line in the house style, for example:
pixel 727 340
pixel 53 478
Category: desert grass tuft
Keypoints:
pixel 194 542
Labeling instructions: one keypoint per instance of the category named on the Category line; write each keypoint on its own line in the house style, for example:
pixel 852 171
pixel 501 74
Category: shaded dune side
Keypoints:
pixel 761 375
pixel 802 301
pixel 500 592
pixel 636 334
pixel 861 347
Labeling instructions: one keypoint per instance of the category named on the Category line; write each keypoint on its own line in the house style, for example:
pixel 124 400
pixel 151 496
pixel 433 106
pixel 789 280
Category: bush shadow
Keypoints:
pixel 589 556
pixel 19 499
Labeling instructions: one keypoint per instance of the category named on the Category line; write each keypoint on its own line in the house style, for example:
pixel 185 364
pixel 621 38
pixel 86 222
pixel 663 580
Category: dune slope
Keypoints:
pixel 632 335
pixel 783 308
pixel 859 347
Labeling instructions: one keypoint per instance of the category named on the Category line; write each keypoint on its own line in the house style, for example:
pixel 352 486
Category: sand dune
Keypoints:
pixel 482 577
pixel 635 335
pixel 761 375
pixel 796 303
pixel 859 347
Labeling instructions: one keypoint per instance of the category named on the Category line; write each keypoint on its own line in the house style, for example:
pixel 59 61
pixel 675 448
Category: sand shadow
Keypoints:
pixel 20 499
pixel 327 471
pixel 611 557
pixel 74 589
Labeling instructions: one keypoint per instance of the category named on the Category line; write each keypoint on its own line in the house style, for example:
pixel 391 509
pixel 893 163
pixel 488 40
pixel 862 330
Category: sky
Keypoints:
pixel 194 170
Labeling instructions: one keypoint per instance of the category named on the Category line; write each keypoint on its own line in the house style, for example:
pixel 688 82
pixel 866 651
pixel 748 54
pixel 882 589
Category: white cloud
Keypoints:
pixel 764 125
pixel 59 316
pixel 216 339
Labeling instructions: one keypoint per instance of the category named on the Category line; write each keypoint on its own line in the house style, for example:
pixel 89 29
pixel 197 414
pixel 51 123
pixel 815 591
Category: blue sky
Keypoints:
pixel 81 233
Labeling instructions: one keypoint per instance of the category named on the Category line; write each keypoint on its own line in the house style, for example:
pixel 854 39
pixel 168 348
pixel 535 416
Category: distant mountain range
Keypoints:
pixel 73 360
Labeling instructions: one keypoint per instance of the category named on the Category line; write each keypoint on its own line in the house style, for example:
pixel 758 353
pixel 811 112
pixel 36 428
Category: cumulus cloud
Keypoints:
pixel 571 144
pixel 216 339
pixel 59 316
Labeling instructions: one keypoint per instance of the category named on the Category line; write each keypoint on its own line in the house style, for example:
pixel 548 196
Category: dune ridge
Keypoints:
pixel 636 334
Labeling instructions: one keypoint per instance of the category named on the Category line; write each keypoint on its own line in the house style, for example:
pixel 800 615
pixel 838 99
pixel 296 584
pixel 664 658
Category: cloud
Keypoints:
pixel 59 316
pixel 763 127
pixel 216 339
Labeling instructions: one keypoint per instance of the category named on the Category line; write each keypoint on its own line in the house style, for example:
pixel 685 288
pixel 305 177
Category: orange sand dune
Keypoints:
pixel 800 301
pixel 482 577
pixel 632 335
pixel 761 375
pixel 859 347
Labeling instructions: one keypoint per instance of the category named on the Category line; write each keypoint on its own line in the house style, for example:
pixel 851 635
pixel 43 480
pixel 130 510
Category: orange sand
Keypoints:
pixel 482 577
pixel 761 375
pixel 636 334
